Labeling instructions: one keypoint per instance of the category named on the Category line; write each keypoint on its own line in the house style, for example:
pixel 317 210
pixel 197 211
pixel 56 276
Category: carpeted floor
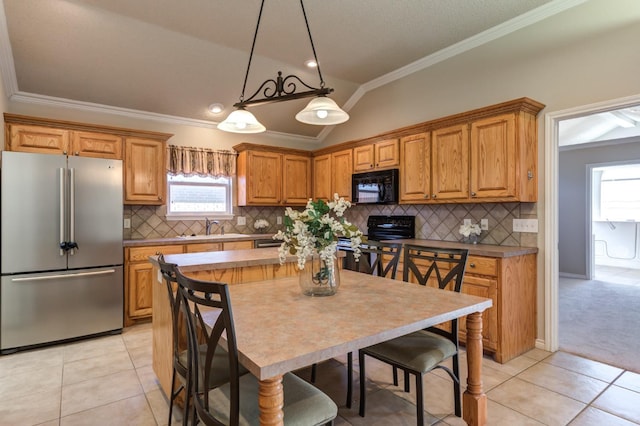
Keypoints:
pixel 601 320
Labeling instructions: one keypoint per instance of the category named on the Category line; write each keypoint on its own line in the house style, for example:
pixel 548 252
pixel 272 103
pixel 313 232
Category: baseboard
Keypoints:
pixel 568 275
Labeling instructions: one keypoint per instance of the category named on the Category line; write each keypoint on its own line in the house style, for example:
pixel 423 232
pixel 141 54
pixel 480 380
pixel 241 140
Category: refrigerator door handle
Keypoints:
pixel 63 243
pixel 58 276
pixel 72 212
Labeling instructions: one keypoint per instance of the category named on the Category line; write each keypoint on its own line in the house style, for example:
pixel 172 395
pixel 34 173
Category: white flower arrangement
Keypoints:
pixel 470 229
pixel 261 224
pixel 316 229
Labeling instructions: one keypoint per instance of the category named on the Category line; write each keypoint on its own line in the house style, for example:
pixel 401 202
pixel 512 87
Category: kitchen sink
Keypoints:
pixel 211 237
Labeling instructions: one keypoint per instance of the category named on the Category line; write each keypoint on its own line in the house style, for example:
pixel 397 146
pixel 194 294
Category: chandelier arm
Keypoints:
pixel 253 45
pixel 313 48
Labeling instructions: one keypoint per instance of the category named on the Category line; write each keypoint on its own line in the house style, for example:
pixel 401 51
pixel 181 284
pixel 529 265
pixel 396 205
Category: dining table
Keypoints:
pixel 279 329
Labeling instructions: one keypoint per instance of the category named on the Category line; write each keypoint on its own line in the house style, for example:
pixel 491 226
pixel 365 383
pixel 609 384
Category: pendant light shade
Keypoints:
pixel 241 121
pixel 322 111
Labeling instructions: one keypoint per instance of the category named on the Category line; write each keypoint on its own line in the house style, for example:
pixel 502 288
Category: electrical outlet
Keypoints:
pixel 127 223
pixel 484 224
pixel 242 220
pixel 279 220
pixel 525 225
pixel 466 222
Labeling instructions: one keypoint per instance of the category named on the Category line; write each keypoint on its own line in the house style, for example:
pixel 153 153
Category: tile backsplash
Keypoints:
pixel 435 222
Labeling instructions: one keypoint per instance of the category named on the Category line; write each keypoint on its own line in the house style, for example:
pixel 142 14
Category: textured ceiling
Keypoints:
pixel 176 57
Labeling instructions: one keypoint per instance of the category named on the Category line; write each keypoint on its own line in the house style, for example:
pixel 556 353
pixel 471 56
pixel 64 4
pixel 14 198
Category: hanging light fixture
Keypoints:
pixel 320 111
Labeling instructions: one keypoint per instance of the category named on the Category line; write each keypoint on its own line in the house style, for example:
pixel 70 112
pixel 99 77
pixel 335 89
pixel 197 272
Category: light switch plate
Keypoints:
pixel 279 220
pixel 525 225
pixel 242 220
pixel 127 223
pixel 466 222
pixel 484 224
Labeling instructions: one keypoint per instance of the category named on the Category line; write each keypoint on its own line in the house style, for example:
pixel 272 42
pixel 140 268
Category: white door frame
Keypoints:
pixel 551 207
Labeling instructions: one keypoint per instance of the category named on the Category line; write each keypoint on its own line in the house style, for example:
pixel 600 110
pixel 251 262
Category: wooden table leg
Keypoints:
pixel 474 401
pixel 271 401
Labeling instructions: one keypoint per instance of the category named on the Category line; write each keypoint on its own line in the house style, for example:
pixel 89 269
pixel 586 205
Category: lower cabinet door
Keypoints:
pixel 140 289
pixel 483 287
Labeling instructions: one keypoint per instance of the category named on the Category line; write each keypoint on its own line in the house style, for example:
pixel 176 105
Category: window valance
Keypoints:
pixel 190 161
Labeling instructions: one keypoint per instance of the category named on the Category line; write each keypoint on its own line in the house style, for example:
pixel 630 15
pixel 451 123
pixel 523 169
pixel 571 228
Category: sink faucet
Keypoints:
pixel 207 226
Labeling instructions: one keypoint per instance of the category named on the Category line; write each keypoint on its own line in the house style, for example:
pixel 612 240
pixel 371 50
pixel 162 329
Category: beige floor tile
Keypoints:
pixel 340 421
pixel 93 347
pixel 536 402
pixel 26 361
pixel 99 391
pixel 141 355
pixel 513 367
pixel 584 366
pixel 31 409
pixel 89 368
pixel 629 380
pixel 44 379
pixel 130 411
pixel 384 409
pixel 621 402
pixel 537 354
pixel 160 408
pixel 498 415
pixel 138 335
pixel 490 377
pixel 50 423
pixel 577 386
pixel 438 394
pixel 594 417
pixel 148 378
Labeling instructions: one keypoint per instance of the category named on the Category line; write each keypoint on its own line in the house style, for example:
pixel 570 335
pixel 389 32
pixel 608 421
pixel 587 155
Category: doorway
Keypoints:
pixel 551 207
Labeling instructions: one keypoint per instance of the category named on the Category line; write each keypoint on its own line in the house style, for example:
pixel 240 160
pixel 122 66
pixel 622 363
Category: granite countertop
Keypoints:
pixel 474 249
pixel 213 238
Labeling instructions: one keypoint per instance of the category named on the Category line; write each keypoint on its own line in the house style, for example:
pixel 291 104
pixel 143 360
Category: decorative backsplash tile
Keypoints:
pixel 435 222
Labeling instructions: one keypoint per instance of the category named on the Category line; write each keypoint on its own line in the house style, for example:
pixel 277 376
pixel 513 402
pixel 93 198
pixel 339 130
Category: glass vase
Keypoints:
pixel 319 277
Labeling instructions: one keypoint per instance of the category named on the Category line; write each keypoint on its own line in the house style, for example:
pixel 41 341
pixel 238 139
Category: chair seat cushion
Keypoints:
pixel 419 351
pixel 304 404
pixel 219 366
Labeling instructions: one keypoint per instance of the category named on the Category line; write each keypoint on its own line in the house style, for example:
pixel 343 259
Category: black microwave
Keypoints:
pixel 375 187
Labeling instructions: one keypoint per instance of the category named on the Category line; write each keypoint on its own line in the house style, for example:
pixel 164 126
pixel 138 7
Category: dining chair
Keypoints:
pixel 179 346
pixel 422 351
pixel 236 401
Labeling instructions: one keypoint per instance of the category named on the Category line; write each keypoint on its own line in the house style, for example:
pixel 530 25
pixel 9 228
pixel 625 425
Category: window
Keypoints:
pixel 195 197
pixel 619 193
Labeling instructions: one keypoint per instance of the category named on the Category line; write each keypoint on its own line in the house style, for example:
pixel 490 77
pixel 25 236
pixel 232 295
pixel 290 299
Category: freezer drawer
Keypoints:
pixel 47 307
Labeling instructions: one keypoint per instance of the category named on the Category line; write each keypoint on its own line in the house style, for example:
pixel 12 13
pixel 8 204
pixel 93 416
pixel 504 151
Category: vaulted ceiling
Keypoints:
pixel 173 59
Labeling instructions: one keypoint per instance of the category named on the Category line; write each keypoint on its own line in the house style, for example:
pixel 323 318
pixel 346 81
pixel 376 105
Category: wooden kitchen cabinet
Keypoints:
pixel 144 172
pixel 138 281
pixel 94 144
pixel 37 139
pixel 332 175
pixel 377 156
pixel 272 176
pixel 435 166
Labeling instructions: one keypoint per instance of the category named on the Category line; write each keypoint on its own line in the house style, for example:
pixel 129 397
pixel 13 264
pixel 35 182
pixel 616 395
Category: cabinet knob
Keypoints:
pixel 76 153
pixel 472 265
pixel 426 195
pixel 370 166
pixel 160 197
pixel 434 196
pixel 473 194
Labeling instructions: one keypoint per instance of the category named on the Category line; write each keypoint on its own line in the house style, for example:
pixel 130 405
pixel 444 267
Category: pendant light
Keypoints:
pixel 320 111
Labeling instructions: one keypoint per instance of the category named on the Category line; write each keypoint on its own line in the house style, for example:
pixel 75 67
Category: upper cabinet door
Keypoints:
pixel 341 171
pixel 387 154
pixel 450 163
pixel 296 183
pixel 493 157
pixel 42 140
pixel 99 145
pixel 264 177
pixel 145 177
pixel 322 177
pixel 363 158
pixel 415 168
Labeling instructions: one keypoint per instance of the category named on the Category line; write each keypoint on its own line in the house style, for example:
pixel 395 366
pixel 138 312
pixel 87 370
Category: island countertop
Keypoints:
pixel 210 260
pixel 474 249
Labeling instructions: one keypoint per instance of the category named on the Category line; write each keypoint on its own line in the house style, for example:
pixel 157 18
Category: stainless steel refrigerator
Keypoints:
pixel 61 247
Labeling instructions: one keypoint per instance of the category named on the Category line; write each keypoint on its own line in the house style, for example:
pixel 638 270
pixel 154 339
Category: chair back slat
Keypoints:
pixel 178 321
pixel 379 258
pixel 200 299
pixel 436 267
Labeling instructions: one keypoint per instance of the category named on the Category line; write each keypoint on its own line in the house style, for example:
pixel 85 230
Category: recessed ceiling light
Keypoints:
pixel 311 63
pixel 216 108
